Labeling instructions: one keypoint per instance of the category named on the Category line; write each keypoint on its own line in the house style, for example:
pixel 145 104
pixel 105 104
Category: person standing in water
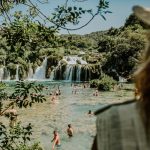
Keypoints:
pixel 70 130
pixel 55 140
pixel 12 114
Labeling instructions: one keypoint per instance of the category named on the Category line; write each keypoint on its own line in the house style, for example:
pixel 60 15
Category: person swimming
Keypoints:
pixel 55 140
pixel 70 130
pixel 95 93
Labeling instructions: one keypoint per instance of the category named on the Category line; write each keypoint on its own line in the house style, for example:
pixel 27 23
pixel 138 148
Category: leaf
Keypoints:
pixel 75 8
pixel 69 8
pixel 103 17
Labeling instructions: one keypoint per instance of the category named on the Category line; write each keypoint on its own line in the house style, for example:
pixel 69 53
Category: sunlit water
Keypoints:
pixel 70 108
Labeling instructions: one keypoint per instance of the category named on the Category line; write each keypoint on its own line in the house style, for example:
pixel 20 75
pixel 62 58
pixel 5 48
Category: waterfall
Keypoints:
pixel 78 75
pixel 40 71
pixel 74 60
pixel 68 72
pixel 86 74
pixel 52 75
pixel 72 72
pixel 121 79
pixel 6 74
pixel 30 73
pixel 17 73
pixel 1 73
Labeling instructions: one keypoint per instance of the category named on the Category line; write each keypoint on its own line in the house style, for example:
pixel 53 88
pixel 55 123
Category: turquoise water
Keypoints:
pixel 70 108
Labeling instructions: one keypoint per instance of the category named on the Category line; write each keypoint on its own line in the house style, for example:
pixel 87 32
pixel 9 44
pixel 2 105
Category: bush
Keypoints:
pixel 94 83
pixel 35 146
pixel 106 83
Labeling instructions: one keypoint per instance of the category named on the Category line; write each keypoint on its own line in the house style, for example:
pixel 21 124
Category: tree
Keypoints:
pixel 25 95
pixel 133 20
pixel 24 37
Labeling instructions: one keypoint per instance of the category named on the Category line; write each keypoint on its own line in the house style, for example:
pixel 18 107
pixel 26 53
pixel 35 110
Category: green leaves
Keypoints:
pixel 64 15
pixel 27 93
pixel 102 8
pixel 14 137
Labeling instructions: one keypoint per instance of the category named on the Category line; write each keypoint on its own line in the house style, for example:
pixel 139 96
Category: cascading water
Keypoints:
pixel 4 74
pixel 121 79
pixel 40 71
pixel 17 73
pixel 72 72
pixel 78 73
pixel 1 73
pixel 68 72
pixel 52 75
pixel 7 75
pixel 30 73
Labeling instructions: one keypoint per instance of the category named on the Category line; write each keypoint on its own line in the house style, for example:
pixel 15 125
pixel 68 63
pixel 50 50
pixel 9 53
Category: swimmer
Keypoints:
pixel 74 91
pixel 70 130
pixel 90 113
pixel 56 140
pixel 53 98
pixel 12 114
pixel 95 93
pixel 57 92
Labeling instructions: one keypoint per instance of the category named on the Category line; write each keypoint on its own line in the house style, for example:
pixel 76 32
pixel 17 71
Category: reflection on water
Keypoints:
pixel 71 109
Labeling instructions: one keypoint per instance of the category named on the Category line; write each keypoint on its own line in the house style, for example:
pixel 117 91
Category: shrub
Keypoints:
pixel 94 83
pixel 106 83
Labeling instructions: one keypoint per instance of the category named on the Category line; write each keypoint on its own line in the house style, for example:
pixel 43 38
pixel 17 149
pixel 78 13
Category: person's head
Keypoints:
pixel 69 125
pixel 142 75
pixel 89 112
pixel 55 132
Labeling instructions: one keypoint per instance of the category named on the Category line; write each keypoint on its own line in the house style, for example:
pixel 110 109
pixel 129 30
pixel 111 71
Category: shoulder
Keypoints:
pixel 110 106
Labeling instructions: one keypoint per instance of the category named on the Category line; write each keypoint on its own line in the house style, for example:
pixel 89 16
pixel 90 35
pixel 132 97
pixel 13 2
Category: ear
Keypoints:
pixel 142 13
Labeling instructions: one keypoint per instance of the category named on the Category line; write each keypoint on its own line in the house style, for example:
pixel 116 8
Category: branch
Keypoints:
pixel 58 26
pixel 42 2
pixel 79 0
pixel 6 13
pixel 2 112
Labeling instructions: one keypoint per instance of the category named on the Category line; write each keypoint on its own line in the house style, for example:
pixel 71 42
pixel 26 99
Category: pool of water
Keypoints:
pixel 69 109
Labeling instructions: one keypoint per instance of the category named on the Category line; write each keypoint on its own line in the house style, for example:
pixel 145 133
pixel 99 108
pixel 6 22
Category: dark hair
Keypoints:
pixel 90 111
pixel 69 125
pixel 142 77
pixel 142 81
pixel 55 131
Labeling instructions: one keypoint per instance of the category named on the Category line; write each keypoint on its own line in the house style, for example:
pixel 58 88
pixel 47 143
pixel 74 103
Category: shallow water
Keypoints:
pixel 70 108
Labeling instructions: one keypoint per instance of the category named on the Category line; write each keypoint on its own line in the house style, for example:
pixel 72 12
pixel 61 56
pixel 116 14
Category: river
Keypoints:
pixel 69 109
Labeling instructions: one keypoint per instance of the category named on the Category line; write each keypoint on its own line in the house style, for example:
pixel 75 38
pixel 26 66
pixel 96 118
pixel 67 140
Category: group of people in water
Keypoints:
pixel 56 137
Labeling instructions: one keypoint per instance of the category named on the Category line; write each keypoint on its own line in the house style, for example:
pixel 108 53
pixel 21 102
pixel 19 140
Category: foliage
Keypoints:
pixel 27 93
pixel 17 138
pixel 94 83
pixel 3 95
pixel 133 20
pixel 121 49
pixel 106 83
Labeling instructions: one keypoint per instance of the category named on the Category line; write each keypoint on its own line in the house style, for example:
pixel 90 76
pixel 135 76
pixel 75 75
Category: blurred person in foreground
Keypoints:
pixel 126 126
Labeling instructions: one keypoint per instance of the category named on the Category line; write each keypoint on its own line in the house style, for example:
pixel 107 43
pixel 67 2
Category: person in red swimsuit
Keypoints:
pixel 56 139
